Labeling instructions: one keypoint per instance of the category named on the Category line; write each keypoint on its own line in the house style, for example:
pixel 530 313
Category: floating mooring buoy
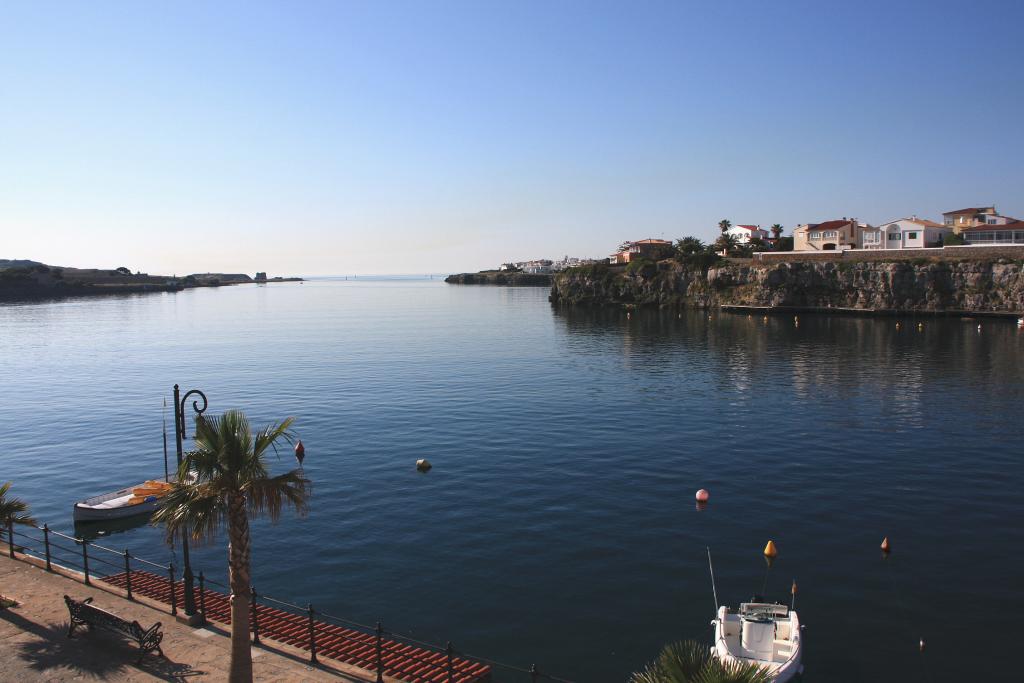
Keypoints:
pixel 423 465
pixel 300 452
pixel 703 495
pixel 886 547
pixel 770 551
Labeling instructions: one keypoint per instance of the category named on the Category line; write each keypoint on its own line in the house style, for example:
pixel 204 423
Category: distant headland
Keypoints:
pixel 24 279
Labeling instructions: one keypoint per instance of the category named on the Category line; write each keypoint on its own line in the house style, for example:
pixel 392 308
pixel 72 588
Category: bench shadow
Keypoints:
pixel 93 652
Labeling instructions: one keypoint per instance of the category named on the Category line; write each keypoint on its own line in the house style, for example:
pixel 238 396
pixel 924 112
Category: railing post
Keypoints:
pixel 85 560
pixel 170 585
pixel 255 617
pixel 534 673
pixel 312 634
pixel 10 537
pixel 46 544
pixel 380 653
pixel 450 651
pixel 128 573
pixel 202 595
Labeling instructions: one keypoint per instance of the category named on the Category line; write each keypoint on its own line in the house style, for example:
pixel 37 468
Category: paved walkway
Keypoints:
pixel 34 645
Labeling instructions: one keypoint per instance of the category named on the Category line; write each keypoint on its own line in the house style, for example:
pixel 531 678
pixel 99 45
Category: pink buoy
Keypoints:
pixel 702 496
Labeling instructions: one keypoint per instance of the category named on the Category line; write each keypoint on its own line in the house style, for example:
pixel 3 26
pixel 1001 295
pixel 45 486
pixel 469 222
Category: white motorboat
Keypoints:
pixel 138 500
pixel 766 634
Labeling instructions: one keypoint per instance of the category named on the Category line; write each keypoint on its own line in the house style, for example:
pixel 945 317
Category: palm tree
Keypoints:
pixel 13 510
pixel 692 662
pixel 724 225
pixel 726 244
pixel 777 231
pixel 689 245
pixel 224 482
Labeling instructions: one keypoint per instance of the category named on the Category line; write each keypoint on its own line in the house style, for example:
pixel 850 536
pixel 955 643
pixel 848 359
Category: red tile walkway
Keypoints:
pixel 399 660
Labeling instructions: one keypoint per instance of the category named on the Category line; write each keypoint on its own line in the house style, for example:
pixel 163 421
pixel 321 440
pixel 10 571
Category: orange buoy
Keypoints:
pixel 885 545
pixel 770 551
pixel 703 495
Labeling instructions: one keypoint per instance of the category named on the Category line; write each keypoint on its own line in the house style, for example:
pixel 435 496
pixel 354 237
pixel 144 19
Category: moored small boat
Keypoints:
pixel 141 499
pixel 766 634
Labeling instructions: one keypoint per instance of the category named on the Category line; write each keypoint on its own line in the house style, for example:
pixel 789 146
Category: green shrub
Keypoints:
pixel 642 267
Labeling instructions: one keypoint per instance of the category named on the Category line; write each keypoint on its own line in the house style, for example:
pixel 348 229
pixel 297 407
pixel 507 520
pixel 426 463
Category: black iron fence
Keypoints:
pixel 369 646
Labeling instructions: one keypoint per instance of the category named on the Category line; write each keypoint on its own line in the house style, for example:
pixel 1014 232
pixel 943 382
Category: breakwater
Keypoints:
pixel 943 286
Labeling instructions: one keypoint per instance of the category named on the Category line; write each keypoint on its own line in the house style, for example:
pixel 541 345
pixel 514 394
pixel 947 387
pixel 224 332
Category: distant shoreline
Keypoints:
pixel 501 278
pixel 34 281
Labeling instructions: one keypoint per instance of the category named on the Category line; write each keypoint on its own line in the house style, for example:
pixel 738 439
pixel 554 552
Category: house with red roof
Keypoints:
pixel 971 217
pixel 649 248
pixel 837 235
pixel 905 233
pixel 744 233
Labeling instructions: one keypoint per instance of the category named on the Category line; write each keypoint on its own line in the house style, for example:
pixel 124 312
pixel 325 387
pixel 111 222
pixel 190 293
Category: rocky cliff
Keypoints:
pixel 965 285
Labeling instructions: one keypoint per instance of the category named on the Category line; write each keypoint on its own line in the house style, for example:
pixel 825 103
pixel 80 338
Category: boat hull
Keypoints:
pixel 781 669
pixel 89 514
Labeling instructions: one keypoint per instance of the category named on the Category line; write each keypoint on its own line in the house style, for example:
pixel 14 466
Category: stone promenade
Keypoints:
pixel 34 645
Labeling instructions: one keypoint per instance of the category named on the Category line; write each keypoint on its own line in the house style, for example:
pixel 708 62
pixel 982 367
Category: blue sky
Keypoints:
pixel 348 137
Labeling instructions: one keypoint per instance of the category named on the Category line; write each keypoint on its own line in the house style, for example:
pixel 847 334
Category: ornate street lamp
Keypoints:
pixel 179 436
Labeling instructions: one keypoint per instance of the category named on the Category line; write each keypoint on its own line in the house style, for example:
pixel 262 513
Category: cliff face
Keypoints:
pixel 968 285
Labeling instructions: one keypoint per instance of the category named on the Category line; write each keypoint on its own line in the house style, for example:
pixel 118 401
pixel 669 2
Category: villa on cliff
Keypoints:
pixel 837 235
pixel 649 248
pixel 745 233
pixel 905 233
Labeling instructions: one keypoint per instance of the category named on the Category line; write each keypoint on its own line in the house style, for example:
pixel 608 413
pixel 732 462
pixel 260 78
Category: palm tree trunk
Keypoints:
pixel 240 580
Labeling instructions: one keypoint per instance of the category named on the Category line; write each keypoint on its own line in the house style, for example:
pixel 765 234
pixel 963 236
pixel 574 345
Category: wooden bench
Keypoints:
pixel 83 613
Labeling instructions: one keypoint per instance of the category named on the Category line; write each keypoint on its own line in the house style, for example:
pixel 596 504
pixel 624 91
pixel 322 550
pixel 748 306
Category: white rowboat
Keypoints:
pixel 766 634
pixel 138 500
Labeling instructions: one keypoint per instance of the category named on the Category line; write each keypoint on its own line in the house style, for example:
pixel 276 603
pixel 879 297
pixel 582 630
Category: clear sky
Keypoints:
pixel 401 137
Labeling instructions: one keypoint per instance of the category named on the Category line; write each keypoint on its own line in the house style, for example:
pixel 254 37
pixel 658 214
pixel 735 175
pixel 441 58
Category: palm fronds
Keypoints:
pixel 13 510
pixel 692 662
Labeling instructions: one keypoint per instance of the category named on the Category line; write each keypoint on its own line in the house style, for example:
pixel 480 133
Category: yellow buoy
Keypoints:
pixel 770 550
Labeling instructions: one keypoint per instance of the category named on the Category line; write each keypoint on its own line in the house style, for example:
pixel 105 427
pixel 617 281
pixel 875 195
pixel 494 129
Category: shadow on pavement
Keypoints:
pixel 91 651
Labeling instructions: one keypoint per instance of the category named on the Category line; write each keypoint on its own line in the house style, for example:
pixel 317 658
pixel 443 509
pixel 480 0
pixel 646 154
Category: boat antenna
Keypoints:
pixel 714 590
pixel 792 600
pixel 167 474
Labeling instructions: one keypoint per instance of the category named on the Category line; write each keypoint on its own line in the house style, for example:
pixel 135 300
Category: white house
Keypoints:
pixel 744 233
pixel 907 233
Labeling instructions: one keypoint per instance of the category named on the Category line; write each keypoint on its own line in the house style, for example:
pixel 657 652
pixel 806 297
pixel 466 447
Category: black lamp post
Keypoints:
pixel 179 436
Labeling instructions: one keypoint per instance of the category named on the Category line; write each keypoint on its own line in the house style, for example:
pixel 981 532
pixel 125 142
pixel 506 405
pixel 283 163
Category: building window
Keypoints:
pixel 949 221
pixel 991 221
pixel 894 236
pixel 829 234
pixel 815 235
pixel 911 235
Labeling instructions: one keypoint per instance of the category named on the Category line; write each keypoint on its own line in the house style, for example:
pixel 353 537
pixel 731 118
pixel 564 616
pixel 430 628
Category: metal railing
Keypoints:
pixel 373 646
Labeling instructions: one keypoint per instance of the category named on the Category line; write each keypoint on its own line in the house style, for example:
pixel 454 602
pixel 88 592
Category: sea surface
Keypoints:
pixel 558 525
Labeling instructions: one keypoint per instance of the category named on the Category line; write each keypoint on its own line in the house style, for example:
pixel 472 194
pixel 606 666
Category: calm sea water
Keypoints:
pixel 558 525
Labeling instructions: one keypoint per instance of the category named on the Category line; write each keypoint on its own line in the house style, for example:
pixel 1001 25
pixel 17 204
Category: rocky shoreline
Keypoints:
pixel 500 277
pixel 957 287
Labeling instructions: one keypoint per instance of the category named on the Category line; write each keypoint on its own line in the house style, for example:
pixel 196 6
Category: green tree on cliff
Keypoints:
pixel 686 246
pixel 726 244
